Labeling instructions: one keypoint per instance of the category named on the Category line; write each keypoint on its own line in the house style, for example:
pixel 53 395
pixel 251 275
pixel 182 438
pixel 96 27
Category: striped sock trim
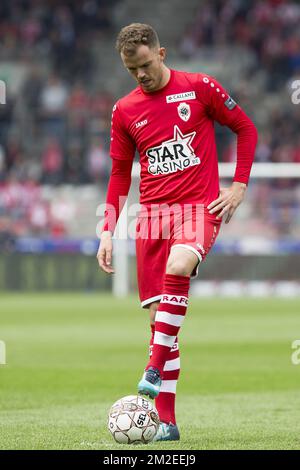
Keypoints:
pixel 163 339
pixel 168 386
pixel 173 364
pixel 169 318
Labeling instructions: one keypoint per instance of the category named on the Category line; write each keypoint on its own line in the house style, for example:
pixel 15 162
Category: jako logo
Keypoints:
pixel 2 353
pixel 141 123
pixel 2 92
pixel 295 357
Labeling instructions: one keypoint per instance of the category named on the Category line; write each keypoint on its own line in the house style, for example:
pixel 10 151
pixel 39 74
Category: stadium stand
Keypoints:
pixel 63 77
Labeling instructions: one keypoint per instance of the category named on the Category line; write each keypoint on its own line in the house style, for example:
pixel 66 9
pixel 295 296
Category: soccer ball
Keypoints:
pixel 133 420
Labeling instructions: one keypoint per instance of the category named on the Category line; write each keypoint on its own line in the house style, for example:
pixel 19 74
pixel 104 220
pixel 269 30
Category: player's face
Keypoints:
pixel 146 66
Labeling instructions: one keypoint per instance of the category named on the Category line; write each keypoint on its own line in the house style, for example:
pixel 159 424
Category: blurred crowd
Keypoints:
pixel 54 127
pixel 67 133
pixel 269 30
pixel 62 30
pixel 25 211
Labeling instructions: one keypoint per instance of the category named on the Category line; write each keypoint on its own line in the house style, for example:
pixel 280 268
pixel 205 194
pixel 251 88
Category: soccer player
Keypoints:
pixel 169 119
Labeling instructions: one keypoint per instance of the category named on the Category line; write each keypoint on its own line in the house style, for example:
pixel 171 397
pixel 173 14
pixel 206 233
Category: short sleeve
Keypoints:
pixel 122 146
pixel 218 103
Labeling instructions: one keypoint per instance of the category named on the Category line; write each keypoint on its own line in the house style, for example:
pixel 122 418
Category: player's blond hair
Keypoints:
pixel 134 35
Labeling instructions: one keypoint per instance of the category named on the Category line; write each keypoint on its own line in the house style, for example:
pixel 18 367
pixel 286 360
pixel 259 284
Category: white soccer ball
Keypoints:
pixel 133 420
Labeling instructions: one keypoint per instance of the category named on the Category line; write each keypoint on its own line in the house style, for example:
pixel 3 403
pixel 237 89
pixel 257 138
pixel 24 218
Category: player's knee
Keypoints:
pixel 152 311
pixel 177 267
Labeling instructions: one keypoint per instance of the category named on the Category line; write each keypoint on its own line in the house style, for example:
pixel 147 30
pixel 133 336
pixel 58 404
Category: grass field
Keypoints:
pixel 70 356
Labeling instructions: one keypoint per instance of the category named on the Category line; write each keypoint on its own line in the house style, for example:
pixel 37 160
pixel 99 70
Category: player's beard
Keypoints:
pixel 152 84
pixel 147 84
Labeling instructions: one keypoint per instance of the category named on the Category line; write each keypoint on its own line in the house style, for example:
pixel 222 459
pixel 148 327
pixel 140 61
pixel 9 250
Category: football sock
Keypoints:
pixel 169 318
pixel 165 401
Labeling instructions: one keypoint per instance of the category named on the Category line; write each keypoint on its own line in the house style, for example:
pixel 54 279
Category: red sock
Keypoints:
pixel 165 402
pixel 169 317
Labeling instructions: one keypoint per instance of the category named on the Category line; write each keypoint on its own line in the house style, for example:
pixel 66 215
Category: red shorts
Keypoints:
pixel 195 230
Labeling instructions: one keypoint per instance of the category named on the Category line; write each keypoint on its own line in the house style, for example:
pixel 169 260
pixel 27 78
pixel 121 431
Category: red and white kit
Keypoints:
pixel 173 131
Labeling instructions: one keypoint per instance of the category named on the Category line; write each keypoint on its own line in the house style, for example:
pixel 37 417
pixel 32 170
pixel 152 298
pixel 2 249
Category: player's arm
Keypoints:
pixel 223 109
pixel 104 254
pixel 228 201
pixel 118 188
pixel 122 150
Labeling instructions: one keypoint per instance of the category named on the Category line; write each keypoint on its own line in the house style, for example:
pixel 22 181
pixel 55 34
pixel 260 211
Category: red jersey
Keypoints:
pixel 173 131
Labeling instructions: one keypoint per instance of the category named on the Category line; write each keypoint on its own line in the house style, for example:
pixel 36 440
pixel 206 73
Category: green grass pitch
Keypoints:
pixel 70 356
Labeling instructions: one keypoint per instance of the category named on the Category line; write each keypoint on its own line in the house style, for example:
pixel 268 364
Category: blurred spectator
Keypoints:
pixel 54 97
pixel 296 152
pixel 30 29
pixel 38 218
pixel 52 162
pixel 2 163
pixel 77 109
pixel 263 149
pixel 74 170
pixel 97 162
pixel 61 212
pixel 6 117
pixel 7 237
pixel 14 152
pixel 101 104
pixel 53 107
pixel 31 90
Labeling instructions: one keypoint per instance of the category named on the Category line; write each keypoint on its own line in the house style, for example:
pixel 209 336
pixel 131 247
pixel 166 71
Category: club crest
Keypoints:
pixel 184 111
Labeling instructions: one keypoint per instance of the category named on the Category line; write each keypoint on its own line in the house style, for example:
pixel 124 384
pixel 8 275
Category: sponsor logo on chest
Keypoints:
pixel 172 155
pixel 187 95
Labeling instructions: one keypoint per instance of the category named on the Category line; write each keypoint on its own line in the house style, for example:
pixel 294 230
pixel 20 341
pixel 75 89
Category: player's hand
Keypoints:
pixel 104 254
pixel 228 201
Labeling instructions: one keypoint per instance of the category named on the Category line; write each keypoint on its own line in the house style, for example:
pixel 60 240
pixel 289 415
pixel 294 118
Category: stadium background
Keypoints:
pixel 62 78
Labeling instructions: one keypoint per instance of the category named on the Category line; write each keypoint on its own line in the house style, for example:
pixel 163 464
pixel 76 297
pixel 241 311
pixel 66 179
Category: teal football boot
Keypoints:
pixel 150 383
pixel 167 432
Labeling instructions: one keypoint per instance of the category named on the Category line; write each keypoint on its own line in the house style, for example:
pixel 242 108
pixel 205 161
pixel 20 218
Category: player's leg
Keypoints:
pixel 185 256
pixel 152 255
pixel 165 401
pixel 151 259
pixel 169 317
